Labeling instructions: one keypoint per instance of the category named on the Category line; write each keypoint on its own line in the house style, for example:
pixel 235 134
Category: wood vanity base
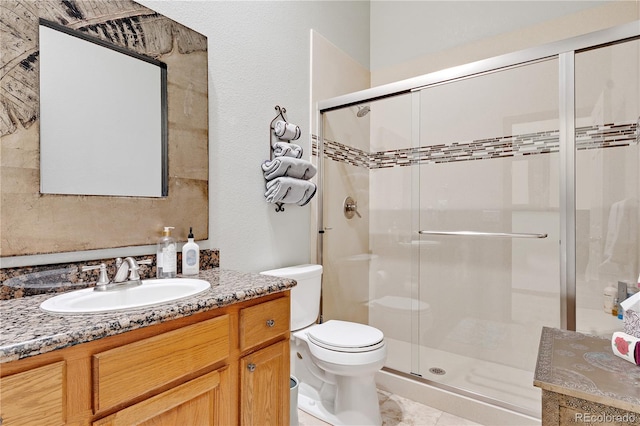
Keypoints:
pixel 227 366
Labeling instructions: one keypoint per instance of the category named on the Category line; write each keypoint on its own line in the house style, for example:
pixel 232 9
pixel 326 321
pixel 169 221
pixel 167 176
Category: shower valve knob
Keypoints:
pixel 350 208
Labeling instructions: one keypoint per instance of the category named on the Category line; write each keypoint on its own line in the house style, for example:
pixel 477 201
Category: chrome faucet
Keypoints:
pixel 129 266
pixel 123 268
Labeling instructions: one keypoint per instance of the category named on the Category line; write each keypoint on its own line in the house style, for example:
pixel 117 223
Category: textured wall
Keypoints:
pixel 34 223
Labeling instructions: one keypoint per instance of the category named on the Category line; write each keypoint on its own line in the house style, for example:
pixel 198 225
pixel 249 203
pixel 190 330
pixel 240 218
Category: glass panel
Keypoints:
pixel 367 258
pixel 488 149
pixel 607 180
pixel 346 256
pixel 392 298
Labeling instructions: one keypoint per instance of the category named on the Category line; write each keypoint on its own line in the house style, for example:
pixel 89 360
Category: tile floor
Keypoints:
pixel 398 411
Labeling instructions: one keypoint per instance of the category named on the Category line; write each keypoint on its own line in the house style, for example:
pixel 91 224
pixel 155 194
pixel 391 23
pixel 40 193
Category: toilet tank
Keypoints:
pixel 305 296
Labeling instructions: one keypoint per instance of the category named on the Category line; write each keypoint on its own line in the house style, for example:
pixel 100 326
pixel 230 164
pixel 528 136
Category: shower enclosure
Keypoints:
pixel 486 201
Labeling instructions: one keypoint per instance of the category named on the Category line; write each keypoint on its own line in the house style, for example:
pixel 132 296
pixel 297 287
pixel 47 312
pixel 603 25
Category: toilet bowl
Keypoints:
pixel 335 361
pixel 345 348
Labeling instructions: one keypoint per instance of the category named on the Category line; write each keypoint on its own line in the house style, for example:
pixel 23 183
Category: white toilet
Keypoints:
pixel 335 362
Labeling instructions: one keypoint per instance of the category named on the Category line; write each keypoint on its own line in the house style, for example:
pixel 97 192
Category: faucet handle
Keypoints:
pixel 133 273
pixel 103 278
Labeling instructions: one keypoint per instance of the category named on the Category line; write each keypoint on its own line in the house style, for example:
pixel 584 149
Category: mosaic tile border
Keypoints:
pixel 587 137
pixel 346 154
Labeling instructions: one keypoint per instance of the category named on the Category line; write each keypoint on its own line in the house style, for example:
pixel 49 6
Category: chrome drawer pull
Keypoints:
pixel 251 367
pixel 271 323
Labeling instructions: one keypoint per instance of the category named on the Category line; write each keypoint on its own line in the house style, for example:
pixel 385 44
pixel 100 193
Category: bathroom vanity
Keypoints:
pixel 583 382
pixel 217 358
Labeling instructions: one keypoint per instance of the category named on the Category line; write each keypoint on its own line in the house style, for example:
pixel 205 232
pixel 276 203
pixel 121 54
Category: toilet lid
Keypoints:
pixel 346 336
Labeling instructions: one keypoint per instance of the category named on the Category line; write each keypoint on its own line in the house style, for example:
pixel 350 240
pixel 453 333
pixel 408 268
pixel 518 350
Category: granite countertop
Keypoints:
pixel 583 366
pixel 26 330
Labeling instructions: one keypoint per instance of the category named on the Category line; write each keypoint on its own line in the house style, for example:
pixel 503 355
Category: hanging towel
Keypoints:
pixel 288 166
pixel 621 238
pixel 290 190
pixel 286 131
pixel 285 149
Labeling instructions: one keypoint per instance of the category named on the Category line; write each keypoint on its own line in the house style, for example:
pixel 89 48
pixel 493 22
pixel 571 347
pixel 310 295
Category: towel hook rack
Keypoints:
pixel 281 132
pixel 281 115
pixel 272 133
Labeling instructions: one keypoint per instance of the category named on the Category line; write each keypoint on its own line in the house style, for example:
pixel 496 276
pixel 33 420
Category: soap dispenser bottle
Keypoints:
pixel 190 256
pixel 166 264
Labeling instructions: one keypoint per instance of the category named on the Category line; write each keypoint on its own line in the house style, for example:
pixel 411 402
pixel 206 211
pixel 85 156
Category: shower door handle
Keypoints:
pixel 483 234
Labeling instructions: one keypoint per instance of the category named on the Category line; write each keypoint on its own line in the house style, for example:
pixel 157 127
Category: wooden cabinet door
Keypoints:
pixel 264 386
pixel 34 397
pixel 199 402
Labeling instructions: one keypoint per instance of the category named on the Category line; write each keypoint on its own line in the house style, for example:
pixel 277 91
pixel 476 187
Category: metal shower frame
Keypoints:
pixel 565 51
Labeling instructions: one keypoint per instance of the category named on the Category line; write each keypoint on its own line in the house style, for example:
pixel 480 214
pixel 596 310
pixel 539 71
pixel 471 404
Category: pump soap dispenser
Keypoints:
pixel 166 262
pixel 190 256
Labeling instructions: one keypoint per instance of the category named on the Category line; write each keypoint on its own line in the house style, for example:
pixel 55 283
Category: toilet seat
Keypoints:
pixel 344 336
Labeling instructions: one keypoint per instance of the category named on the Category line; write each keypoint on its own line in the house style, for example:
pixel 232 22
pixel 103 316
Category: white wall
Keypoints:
pixel 432 35
pixel 405 30
pixel 259 57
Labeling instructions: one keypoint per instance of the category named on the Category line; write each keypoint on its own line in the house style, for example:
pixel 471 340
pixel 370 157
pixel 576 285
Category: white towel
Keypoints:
pixel 286 131
pixel 621 238
pixel 288 166
pixel 290 190
pixel 285 149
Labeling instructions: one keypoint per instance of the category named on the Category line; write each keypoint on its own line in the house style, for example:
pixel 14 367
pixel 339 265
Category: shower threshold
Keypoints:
pixel 488 382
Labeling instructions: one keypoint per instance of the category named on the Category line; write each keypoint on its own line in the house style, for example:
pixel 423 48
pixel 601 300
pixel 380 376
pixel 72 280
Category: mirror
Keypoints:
pixel 32 222
pixel 102 117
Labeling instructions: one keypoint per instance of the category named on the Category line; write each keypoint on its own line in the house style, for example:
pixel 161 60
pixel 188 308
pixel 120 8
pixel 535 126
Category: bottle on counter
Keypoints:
pixel 190 256
pixel 610 293
pixel 166 263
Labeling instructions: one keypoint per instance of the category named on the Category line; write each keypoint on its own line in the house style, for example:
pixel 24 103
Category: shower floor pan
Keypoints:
pixel 499 384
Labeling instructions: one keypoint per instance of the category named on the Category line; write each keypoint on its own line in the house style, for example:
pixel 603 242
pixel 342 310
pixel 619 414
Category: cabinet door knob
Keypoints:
pixel 271 323
pixel 251 367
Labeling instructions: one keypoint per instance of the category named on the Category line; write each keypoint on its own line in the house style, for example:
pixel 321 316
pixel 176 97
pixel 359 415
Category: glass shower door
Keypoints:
pixel 488 223
pixel 607 94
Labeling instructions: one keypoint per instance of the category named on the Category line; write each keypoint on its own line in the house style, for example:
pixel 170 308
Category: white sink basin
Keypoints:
pixel 151 292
